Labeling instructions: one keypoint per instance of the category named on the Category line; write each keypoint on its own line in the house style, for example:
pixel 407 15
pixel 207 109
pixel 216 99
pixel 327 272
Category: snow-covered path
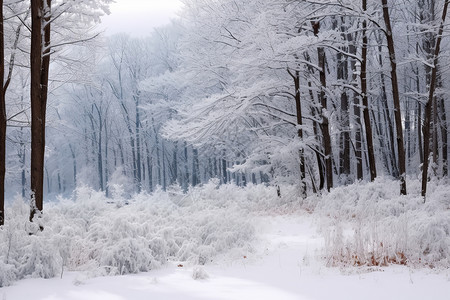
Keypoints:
pixel 284 266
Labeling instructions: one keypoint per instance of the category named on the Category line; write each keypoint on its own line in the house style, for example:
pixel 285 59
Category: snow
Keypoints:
pixel 285 268
pixel 224 242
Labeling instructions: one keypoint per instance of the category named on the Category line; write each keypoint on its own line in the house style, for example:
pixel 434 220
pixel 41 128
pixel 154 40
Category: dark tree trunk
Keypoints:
pixel 186 168
pixel 325 122
pixel 427 120
pixel 396 98
pixel 215 167
pixel 40 60
pixel 99 149
pixel 175 163
pixel 367 124
pixel 163 158
pixel 356 110
pixel 22 159
pixel 319 158
pixel 387 116
pixel 301 151
pixel 106 160
pixel 344 139
pixel 158 157
pixel 444 133
pixel 358 139
pixel 149 167
pixel 74 162
pixel 2 122
pixel 138 143
pixel 195 168
pixel 224 171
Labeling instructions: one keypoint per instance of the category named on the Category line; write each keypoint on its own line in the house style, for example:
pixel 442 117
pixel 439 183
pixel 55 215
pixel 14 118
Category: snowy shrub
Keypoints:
pixel 40 259
pixel 128 255
pixel 199 273
pixel 370 224
pixel 92 233
pixel 7 274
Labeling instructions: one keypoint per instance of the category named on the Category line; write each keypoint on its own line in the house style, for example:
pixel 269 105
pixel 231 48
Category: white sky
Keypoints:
pixel 139 17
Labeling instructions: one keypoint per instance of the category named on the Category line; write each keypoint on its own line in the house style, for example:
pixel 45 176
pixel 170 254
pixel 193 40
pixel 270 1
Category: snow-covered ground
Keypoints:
pixel 286 263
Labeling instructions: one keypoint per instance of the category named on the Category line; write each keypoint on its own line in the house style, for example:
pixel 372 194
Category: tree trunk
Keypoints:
pixel 325 122
pixel 149 168
pixel 99 150
pixel 387 116
pixel 138 142
pixel 106 160
pixel 195 167
pixel 186 169
pixel 74 162
pixel 396 96
pixel 301 151
pixel 22 160
pixel 174 177
pixel 224 171
pixel 2 122
pixel 356 110
pixel 344 139
pixel 444 133
pixel 163 153
pixel 39 62
pixel 427 120
pixel 319 158
pixel 368 127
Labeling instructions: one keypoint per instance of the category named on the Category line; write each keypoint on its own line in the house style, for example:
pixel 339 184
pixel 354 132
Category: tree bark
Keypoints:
pixel 444 133
pixel 396 98
pixel 39 62
pixel 195 168
pixel 325 122
pixel 301 151
pixel 2 122
pixel 342 75
pixel 363 77
pixel 428 106
pixel 136 96
pixel 149 167
pixel 356 110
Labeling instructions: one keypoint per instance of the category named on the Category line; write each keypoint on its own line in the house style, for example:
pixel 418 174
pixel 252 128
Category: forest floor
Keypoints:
pixel 287 263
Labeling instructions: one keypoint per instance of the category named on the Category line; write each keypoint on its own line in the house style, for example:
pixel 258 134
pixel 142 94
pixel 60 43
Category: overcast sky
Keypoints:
pixel 138 17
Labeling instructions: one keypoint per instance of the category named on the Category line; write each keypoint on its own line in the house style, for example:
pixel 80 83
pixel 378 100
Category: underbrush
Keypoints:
pixel 370 224
pixel 103 236
pixel 364 224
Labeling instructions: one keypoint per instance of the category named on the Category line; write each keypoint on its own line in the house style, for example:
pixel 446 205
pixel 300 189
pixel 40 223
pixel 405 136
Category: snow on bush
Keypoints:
pixel 364 224
pixel 371 224
pixel 199 273
pixel 109 236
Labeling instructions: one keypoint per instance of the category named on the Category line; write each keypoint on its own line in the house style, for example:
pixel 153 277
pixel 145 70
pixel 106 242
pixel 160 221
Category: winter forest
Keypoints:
pixel 180 149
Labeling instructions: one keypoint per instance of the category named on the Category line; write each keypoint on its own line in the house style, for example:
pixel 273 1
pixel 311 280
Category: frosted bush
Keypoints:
pixel 90 232
pixel 379 227
pixel 363 224
pixel 199 273
pixel 129 255
pixel 7 274
pixel 40 259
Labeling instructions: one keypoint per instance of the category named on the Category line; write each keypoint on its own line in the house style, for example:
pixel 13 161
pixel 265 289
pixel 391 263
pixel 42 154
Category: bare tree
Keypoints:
pixel 325 121
pixel 396 98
